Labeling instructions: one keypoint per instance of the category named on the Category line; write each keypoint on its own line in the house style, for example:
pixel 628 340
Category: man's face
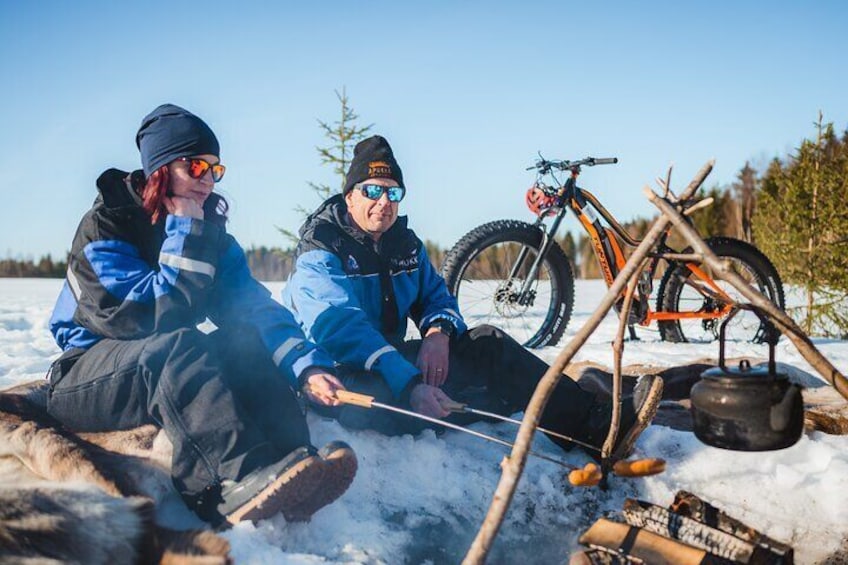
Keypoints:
pixel 374 217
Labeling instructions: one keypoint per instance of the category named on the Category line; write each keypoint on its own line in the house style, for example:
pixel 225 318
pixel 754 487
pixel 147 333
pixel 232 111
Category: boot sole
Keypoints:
pixel 340 466
pixel 643 419
pixel 285 493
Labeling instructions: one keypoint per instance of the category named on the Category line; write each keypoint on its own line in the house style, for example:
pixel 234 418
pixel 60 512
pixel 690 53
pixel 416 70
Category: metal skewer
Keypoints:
pixel 459 407
pixel 366 401
pixel 589 475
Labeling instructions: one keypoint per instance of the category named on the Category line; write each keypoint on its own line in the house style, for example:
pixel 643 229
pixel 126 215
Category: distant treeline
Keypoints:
pixel 45 267
pixel 266 264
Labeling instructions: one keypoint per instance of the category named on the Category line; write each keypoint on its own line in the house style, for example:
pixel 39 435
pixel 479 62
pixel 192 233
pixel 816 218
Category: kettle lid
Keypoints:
pixel 743 370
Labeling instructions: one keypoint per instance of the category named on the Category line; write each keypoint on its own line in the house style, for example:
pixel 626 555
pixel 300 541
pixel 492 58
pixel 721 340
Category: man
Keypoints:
pixel 361 273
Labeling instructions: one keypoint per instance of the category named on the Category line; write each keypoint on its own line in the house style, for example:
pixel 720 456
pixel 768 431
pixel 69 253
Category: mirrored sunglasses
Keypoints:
pixel 197 168
pixel 375 191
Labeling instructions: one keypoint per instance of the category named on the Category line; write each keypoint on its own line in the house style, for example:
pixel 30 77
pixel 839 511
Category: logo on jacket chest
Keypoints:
pixel 352 265
pixel 404 263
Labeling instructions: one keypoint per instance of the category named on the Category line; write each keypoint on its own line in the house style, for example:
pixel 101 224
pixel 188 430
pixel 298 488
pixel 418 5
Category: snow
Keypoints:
pixel 422 499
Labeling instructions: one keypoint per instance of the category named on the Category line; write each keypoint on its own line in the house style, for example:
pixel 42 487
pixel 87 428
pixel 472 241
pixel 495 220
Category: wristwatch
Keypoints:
pixel 444 326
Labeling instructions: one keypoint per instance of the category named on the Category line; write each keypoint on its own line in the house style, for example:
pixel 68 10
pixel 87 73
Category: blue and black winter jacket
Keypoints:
pixel 128 279
pixel 353 298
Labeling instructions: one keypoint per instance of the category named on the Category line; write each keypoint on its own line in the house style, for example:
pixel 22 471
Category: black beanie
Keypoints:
pixel 372 159
pixel 170 132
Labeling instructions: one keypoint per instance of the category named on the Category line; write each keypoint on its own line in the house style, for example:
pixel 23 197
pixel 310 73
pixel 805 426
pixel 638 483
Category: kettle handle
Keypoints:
pixel 771 335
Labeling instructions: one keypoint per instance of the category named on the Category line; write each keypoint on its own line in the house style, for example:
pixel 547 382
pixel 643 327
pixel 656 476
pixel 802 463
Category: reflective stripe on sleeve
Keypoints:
pixel 285 348
pixel 74 284
pixel 376 355
pixel 186 264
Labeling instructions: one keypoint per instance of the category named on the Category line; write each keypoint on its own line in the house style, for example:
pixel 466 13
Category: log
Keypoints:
pixel 645 545
pixel 713 540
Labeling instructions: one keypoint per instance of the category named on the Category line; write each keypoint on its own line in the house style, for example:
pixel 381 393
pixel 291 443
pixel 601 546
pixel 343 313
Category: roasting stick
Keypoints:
pixel 459 407
pixel 633 468
pixel 590 475
pixel 366 401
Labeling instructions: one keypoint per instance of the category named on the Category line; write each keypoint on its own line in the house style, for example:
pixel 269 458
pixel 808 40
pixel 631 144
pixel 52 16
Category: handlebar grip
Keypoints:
pixel 606 160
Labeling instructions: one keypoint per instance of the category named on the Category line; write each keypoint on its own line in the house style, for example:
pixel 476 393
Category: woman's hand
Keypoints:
pixel 427 400
pixel 321 387
pixel 433 358
pixel 182 206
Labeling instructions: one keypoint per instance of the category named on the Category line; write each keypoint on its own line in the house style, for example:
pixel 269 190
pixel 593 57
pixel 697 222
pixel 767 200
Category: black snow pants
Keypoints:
pixel 487 370
pixel 222 402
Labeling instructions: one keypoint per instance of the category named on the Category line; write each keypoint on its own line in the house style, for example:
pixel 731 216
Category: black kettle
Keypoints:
pixel 747 408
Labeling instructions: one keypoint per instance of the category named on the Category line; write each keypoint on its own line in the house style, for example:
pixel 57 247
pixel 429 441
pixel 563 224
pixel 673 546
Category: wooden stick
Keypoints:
pixel 513 465
pixel 783 322
pixel 685 257
pixel 617 352
pixel 355 398
pixel 702 204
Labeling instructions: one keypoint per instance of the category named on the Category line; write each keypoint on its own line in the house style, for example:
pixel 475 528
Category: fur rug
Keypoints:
pixel 86 498
pixel 91 498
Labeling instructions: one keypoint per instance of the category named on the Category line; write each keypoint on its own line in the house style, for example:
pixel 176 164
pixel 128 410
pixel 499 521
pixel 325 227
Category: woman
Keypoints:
pixel 151 260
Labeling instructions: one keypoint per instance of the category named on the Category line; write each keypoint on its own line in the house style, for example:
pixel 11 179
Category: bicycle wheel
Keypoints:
pixel 678 292
pixel 477 271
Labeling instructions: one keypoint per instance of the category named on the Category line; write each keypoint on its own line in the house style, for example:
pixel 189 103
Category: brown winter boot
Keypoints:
pixel 637 412
pixel 281 487
pixel 340 466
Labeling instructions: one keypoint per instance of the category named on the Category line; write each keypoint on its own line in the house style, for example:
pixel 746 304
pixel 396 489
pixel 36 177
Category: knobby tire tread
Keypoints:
pixel 723 247
pixel 503 231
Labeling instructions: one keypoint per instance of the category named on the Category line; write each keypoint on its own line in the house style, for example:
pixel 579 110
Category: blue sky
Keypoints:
pixel 467 92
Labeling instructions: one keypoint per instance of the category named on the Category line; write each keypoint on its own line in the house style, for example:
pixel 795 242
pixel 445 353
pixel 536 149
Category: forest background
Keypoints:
pixel 793 211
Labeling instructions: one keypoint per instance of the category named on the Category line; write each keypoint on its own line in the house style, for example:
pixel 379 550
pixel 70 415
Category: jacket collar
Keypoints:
pixel 115 187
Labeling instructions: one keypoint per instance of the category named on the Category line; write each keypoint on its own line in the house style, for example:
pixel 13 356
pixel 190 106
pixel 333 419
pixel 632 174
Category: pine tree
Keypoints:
pixel 745 189
pixel 717 218
pixel 802 226
pixel 343 134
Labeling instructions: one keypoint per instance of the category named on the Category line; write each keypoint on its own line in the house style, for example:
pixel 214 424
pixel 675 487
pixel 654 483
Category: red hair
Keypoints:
pixel 154 191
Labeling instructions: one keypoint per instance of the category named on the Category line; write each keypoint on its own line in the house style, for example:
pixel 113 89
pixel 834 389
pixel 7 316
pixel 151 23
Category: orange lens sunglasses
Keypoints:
pixel 197 168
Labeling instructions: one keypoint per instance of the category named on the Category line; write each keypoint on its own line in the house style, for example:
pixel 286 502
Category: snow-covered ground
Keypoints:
pixel 422 499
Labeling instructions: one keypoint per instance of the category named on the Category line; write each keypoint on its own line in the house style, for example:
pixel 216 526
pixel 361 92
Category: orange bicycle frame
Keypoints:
pixel 610 256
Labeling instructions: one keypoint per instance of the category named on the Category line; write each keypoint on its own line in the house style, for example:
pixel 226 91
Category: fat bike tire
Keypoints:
pixel 477 270
pixel 676 294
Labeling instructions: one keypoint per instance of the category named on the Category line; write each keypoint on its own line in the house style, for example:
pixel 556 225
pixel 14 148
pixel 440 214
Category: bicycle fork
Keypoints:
pixel 547 239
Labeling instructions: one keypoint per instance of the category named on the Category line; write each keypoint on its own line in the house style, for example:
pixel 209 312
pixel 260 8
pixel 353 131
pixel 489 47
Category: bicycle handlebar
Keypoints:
pixel 544 166
pixel 606 161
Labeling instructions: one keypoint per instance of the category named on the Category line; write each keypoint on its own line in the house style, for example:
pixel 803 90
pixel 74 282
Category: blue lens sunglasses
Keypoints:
pixel 375 191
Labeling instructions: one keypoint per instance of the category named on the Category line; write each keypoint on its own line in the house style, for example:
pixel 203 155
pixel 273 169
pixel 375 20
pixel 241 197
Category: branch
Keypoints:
pixel 779 318
pixel 617 353
pixel 513 465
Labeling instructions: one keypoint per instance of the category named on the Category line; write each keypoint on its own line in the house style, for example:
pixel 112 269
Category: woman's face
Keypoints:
pixel 184 186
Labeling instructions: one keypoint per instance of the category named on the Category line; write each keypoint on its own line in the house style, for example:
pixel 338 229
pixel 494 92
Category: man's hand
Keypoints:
pixel 320 387
pixel 181 206
pixel 426 399
pixel 433 357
